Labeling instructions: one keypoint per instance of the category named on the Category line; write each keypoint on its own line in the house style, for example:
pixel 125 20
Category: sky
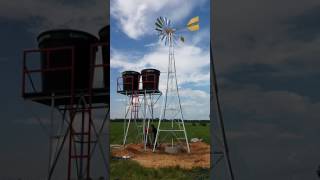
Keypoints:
pixel 135 46
pixel 266 55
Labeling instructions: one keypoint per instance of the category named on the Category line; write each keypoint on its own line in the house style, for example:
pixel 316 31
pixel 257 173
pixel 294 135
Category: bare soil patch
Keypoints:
pixel 198 157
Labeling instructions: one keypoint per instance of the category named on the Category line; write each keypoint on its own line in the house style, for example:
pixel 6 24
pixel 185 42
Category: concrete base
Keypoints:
pixel 172 149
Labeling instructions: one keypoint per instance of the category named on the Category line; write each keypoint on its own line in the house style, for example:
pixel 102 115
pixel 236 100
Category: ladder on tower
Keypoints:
pixel 133 108
pixel 80 140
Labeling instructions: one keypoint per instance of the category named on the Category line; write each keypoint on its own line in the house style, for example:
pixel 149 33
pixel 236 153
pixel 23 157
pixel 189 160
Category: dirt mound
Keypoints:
pixel 198 157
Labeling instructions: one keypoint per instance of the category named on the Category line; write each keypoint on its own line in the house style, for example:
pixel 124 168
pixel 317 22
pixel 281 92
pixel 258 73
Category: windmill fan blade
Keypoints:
pixel 160 30
pixel 162 20
pixel 167 22
pixel 163 36
pixel 158 25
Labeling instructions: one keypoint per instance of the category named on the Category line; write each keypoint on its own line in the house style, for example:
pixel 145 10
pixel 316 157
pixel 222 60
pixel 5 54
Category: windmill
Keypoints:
pixel 171 106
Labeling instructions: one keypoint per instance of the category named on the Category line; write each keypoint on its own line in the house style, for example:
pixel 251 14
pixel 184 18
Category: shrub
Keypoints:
pixel 203 124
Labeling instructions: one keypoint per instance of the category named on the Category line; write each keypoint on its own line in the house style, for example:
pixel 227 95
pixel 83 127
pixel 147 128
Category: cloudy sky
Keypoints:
pixel 135 46
pixel 267 59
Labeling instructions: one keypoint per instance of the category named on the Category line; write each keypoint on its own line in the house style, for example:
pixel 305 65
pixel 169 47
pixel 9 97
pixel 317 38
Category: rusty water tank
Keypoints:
pixel 130 80
pixel 104 35
pixel 150 79
pixel 60 81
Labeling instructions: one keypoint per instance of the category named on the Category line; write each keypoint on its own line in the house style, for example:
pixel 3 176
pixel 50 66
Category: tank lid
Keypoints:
pixel 150 71
pixel 65 33
pixel 130 73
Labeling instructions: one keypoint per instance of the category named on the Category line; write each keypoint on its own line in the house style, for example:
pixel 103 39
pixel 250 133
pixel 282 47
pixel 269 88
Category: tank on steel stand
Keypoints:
pixel 67 68
pixel 141 90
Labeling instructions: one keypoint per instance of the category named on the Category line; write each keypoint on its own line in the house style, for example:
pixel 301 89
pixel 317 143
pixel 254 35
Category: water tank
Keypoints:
pixel 104 34
pixel 60 81
pixel 150 79
pixel 130 80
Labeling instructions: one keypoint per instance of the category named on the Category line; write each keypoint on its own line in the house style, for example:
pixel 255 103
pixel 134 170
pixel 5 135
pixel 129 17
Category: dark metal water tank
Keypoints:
pixel 104 34
pixel 60 81
pixel 150 79
pixel 130 80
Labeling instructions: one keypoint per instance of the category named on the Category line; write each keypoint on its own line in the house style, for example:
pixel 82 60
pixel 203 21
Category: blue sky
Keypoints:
pixel 135 45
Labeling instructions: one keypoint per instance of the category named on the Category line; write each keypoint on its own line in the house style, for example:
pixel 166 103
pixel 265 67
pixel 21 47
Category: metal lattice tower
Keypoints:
pixel 171 106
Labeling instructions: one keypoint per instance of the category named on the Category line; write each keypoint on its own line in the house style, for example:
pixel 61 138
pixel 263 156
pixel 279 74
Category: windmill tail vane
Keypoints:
pixel 193 24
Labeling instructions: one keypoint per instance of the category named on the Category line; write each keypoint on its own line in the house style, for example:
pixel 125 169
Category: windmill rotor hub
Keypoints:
pixel 169 31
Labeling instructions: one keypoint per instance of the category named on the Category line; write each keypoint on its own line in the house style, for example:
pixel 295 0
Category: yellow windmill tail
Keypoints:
pixel 193 24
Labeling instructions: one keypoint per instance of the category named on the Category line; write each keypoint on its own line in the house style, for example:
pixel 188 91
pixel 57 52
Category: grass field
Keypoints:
pixel 128 169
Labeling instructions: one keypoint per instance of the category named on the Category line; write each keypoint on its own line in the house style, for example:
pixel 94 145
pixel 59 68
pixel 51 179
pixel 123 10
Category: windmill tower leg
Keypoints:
pixel 127 125
pixel 146 120
pixel 149 102
pixel 171 106
pixel 131 116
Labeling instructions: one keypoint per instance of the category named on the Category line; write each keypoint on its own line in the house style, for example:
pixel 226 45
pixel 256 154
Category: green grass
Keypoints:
pixel 197 131
pixel 128 169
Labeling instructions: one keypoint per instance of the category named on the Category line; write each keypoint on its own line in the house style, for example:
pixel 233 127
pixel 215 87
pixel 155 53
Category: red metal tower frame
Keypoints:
pixel 87 101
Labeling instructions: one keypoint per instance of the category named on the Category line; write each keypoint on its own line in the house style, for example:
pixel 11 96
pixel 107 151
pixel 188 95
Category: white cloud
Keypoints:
pixel 195 94
pixel 195 104
pixel 136 18
pixel 192 63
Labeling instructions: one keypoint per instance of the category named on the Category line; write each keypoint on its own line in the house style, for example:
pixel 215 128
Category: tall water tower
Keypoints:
pixel 141 92
pixel 66 81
